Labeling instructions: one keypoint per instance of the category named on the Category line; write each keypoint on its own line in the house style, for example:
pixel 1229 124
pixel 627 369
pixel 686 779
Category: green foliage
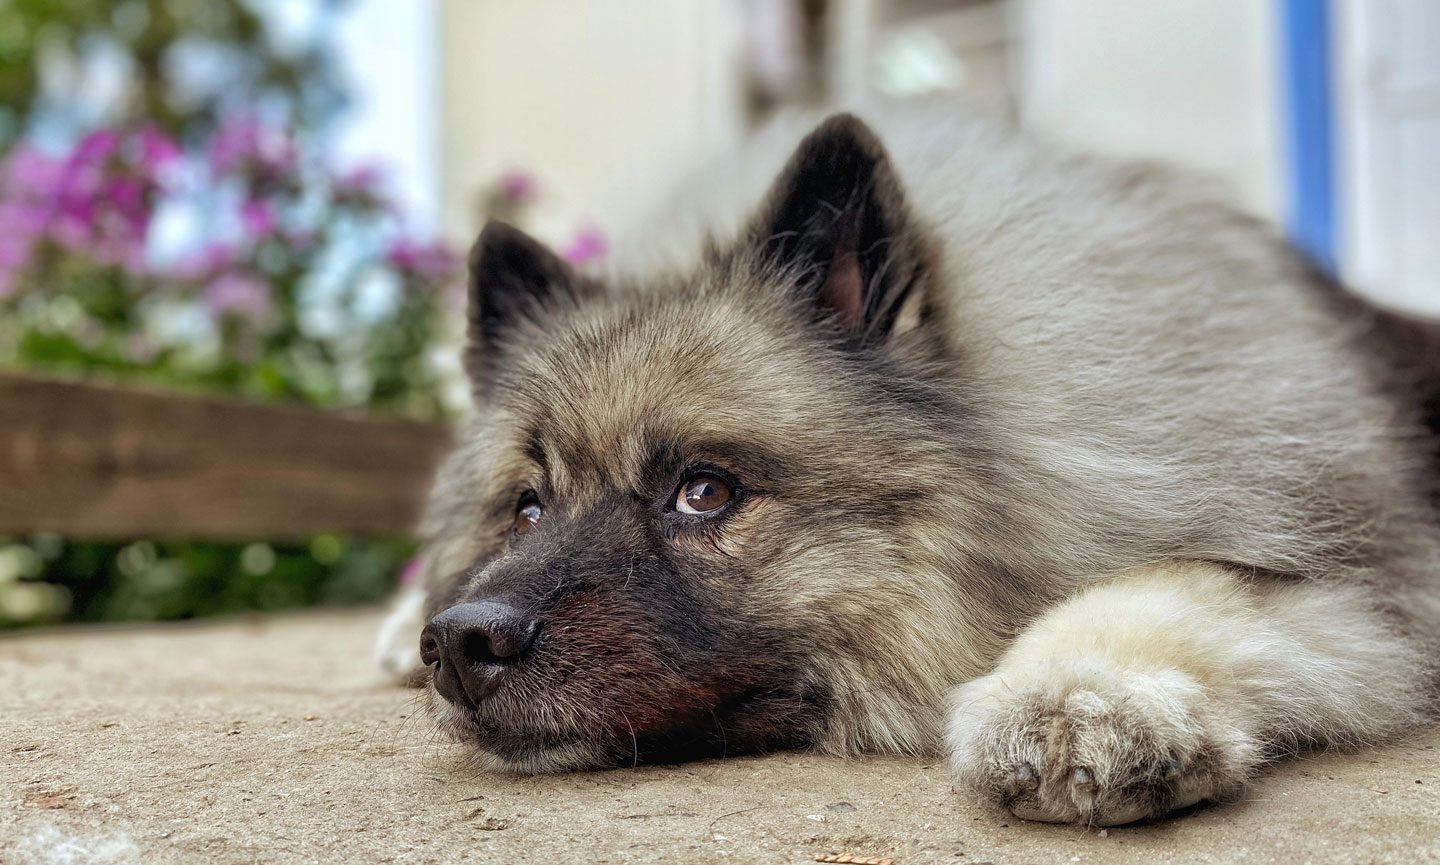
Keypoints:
pixel 150 33
pixel 45 578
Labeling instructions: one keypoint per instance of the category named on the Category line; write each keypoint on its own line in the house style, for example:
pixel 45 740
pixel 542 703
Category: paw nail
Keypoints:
pixel 1025 777
pixel 1082 788
pixel 1172 772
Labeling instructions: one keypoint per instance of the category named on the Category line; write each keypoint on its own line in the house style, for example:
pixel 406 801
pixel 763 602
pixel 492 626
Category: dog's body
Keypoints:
pixel 1060 465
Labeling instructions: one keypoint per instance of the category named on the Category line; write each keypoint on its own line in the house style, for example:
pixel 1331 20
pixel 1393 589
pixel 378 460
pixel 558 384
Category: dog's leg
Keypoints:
pixel 1172 684
pixel 397 645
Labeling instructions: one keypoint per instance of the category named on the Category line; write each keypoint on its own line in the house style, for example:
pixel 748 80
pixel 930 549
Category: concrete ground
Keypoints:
pixel 273 741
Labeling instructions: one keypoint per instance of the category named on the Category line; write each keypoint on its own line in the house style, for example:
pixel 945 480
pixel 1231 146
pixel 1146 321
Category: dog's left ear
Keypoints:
pixel 836 226
pixel 515 284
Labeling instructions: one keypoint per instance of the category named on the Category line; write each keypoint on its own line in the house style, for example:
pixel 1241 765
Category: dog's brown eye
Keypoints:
pixel 526 517
pixel 701 495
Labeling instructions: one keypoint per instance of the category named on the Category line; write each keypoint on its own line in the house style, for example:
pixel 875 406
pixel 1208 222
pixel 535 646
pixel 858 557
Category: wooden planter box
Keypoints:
pixel 102 461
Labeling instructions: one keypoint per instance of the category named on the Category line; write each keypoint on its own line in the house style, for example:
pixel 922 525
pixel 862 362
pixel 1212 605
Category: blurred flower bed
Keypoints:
pixel 186 228
pixel 288 282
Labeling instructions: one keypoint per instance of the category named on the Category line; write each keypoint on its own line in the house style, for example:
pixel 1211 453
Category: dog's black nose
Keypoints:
pixel 472 646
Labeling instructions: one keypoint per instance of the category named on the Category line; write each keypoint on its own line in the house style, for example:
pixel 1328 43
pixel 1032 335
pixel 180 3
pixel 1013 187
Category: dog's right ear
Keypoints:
pixel 515 280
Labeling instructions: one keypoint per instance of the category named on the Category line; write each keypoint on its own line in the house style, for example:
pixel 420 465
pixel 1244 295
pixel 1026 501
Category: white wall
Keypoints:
pixel 603 102
pixel 1388 118
pixel 1192 81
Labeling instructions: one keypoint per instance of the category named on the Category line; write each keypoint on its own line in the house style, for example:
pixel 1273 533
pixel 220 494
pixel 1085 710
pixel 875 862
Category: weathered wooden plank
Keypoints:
pixel 98 461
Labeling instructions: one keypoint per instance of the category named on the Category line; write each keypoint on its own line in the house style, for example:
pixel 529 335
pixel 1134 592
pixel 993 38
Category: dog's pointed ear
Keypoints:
pixel 836 226
pixel 515 280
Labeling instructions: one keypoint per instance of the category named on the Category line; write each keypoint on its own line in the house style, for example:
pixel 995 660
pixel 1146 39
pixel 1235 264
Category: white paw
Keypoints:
pixel 1077 741
pixel 397 645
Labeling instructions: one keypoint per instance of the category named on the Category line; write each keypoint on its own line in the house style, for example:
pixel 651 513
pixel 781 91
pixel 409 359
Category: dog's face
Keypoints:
pixel 712 516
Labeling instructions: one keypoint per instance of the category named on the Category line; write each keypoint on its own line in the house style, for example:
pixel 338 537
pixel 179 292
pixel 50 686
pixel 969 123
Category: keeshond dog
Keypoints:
pixel 955 443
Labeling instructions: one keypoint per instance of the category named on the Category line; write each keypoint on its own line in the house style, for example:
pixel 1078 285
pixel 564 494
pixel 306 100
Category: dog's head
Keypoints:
pixel 717 515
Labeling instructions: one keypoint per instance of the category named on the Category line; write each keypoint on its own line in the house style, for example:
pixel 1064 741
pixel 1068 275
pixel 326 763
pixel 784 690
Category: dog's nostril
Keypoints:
pixel 503 639
pixel 429 647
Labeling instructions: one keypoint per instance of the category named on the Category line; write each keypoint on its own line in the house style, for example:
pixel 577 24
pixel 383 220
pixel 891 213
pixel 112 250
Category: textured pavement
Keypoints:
pixel 272 740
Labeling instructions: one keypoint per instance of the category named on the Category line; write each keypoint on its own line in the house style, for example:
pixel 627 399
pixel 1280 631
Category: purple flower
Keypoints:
pixel 425 261
pixel 239 295
pixel 98 146
pixel 232 144
pixel 126 194
pixel 213 259
pixel 362 180
pixel 156 148
pixel 588 244
pixel 257 218
pixel 244 143
pixel 519 186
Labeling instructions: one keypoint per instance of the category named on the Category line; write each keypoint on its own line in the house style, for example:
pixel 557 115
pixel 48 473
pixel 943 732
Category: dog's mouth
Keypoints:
pixel 524 729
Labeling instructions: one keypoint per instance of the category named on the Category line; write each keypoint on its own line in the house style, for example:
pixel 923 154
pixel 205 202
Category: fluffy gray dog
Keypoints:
pixel 955 442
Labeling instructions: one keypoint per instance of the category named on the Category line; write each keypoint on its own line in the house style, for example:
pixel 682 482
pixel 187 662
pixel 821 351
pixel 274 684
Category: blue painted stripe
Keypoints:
pixel 1310 206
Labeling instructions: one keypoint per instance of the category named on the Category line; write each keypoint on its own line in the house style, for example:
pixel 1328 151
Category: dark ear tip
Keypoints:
pixel 501 239
pixel 845 130
pixel 496 235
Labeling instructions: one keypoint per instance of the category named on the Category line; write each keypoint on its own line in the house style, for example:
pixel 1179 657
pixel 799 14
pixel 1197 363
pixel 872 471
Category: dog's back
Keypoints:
pixel 1188 381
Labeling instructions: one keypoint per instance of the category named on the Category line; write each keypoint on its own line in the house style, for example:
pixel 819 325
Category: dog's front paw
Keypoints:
pixel 1074 741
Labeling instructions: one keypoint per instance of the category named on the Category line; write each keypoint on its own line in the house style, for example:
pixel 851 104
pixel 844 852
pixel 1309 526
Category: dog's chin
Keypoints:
pixel 495 747
pixel 572 757
pixel 524 745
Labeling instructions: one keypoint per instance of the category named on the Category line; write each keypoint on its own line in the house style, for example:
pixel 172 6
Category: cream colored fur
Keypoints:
pixel 1171 684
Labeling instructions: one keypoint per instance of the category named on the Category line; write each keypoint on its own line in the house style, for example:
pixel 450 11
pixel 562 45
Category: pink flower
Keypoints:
pixel 257 218
pixel 156 148
pixel 588 244
pixel 30 172
pixel 519 186
pixel 239 295
pixel 21 223
pixel 14 250
pixel 410 572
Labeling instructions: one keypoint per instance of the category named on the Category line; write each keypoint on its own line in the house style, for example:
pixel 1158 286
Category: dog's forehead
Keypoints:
pixel 615 385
